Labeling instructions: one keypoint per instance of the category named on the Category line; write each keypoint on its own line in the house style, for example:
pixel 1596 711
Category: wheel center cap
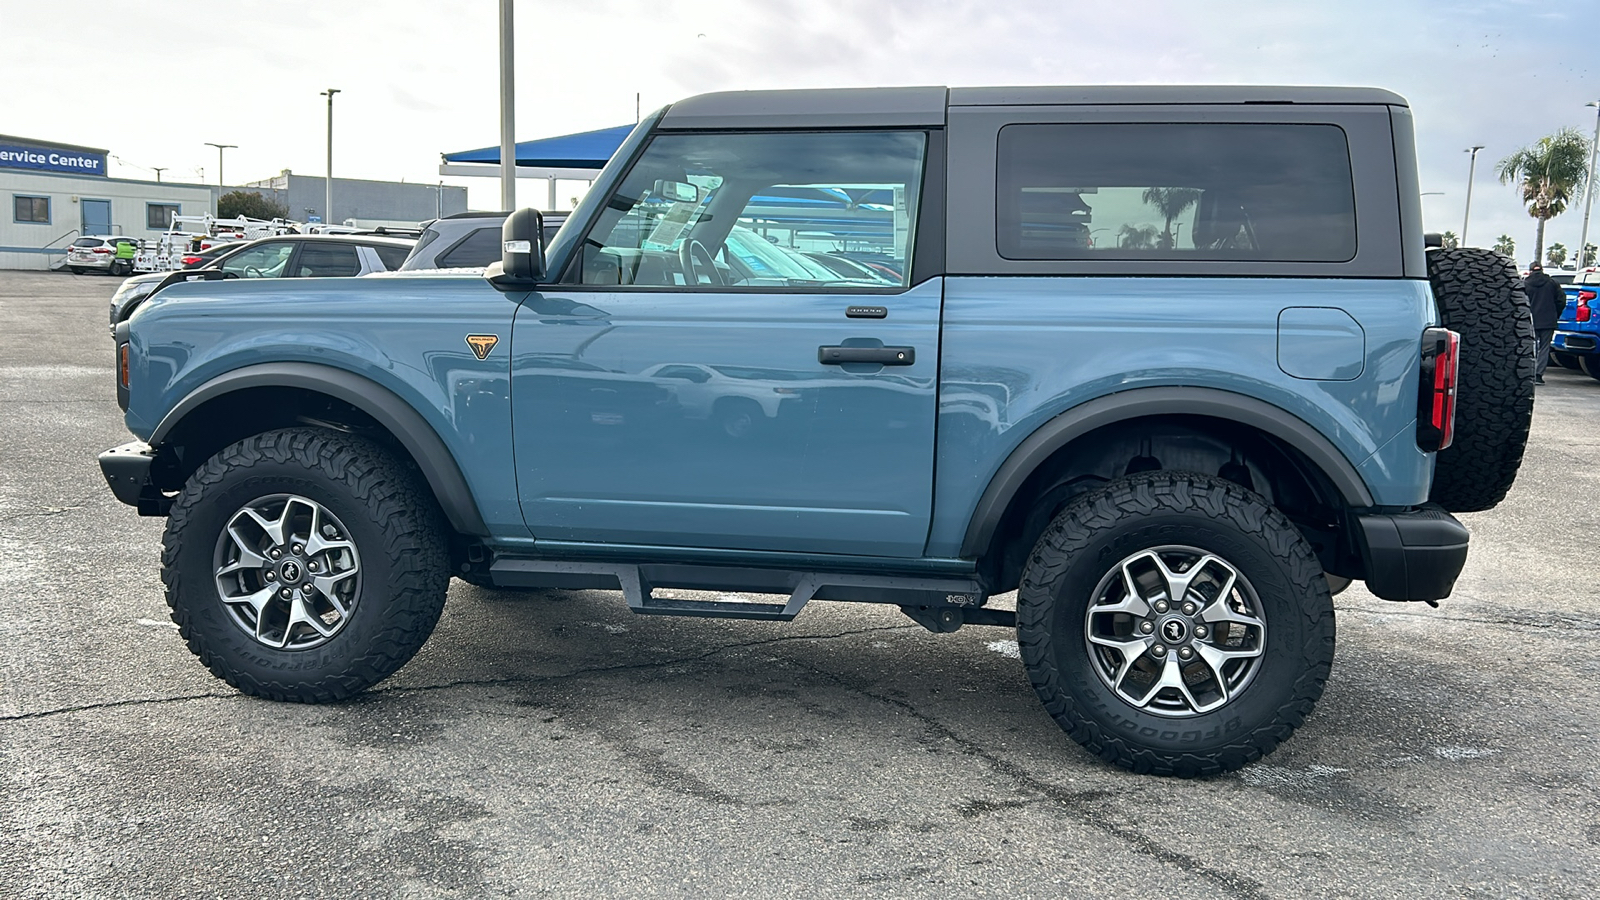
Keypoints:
pixel 290 571
pixel 1174 631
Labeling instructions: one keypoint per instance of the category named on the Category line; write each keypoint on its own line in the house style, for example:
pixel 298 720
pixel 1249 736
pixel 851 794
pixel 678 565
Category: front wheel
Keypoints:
pixel 304 565
pixel 1175 624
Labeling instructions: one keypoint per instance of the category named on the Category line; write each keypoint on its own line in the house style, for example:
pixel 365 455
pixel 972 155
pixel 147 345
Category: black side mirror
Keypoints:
pixel 521 264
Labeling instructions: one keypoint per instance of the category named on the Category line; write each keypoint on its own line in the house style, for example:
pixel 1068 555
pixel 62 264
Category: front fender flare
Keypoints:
pixel 1154 401
pixel 400 418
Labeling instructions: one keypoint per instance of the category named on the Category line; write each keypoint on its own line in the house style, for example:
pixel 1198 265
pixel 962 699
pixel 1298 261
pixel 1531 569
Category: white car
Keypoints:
pixel 96 253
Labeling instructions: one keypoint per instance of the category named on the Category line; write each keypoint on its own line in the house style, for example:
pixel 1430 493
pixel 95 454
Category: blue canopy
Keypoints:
pixel 585 150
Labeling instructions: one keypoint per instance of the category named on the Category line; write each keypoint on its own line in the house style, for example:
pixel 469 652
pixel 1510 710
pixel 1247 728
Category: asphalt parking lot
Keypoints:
pixel 551 743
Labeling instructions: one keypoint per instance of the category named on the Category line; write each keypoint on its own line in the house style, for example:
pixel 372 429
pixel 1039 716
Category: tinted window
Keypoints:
pixel 1180 191
pixel 31 209
pixel 260 261
pixel 319 260
pixel 744 210
pixel 474 251
pixel 392 256
pixel 88 242
pixel 159 215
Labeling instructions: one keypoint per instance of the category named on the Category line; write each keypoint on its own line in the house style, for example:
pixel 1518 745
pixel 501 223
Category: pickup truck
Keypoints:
pixel 1576 344
pixel 1119 352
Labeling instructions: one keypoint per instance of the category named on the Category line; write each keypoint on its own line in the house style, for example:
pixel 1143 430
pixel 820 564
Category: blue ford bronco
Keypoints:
pixel 1173 364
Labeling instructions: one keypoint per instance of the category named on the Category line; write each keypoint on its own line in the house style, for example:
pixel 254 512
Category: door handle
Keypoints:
pixel 883 356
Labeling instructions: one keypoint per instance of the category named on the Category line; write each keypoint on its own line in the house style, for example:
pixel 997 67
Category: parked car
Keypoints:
pixel 1174 453
pixel 1576 344
pixel 95 253
pixel 202 258
pixel 468 240
pixel 284 256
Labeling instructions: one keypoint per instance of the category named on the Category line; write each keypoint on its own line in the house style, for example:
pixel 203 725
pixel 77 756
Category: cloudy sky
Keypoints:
pixel 153 80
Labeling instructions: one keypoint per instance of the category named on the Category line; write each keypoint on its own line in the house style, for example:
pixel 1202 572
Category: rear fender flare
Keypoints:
pixel 1142 403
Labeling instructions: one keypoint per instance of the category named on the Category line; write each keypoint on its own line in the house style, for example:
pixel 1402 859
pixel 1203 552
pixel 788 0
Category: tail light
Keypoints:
pixel 1436 388
pixel 192 260
pixel 1582 312
pixel 1586 295
pixel 102 249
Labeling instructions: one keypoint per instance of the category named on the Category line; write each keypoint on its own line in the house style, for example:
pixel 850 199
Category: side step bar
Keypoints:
pixel 637 582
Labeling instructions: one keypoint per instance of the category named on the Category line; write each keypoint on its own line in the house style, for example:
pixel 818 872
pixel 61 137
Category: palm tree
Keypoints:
pixel 1505 246
pixel 1449 241
pixel 1548 174
pixel 1557 254
pixel 1171 202
pixel 1136 237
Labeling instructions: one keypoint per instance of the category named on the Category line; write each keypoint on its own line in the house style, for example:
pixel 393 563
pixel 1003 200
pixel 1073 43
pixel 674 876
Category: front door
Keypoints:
pixel 739 359
pixel 96 216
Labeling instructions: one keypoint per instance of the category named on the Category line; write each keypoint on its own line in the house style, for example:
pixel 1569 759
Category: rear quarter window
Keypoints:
pixel 393 257
pixel 1267 192
pixel 474 251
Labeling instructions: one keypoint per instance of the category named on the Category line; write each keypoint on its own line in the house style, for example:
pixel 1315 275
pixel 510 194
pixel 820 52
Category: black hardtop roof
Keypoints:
pixel 912 106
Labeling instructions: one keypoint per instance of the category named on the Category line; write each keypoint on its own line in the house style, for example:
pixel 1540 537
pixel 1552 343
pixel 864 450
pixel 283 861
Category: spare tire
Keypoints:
pixel 1480 295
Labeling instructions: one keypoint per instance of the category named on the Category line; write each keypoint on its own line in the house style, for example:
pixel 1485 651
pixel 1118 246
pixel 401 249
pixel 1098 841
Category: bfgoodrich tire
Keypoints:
pixel 1480 296
pixel 304 565
pixel 1175 624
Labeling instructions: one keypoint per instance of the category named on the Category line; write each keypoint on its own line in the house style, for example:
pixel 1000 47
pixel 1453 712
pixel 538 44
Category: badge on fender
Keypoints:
pixel 481 344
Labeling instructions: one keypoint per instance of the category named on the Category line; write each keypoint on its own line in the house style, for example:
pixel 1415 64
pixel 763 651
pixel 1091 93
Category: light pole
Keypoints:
pixel 1588 195
pixel 1472 169
pixel 508 130
pixel 327 200
pixel 158 170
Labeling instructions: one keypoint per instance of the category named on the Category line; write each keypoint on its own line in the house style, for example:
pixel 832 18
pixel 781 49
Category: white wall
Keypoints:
pixel 20 242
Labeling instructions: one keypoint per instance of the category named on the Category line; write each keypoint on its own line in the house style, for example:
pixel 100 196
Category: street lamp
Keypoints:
pixel 327 200
pixel 1472 169
pixel 158 170
pixel 1588 195
pixel 508 129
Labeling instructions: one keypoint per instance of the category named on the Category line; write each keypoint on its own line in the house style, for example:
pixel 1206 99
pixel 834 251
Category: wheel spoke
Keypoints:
pixel 298 613
pixel 325 585
pixel 257 600
pixel 248 559
pixel 274 530
pixel 1171 677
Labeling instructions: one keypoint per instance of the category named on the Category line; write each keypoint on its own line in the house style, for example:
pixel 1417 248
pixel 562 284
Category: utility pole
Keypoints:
pixel 158 170
pixel 327 200
pixel 220 148
pixel 1472 169
pixel 508 127
pixel 1588 195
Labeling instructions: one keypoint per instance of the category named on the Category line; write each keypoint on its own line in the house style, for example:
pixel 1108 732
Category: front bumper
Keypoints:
pixel 1412 555
pixel 127 470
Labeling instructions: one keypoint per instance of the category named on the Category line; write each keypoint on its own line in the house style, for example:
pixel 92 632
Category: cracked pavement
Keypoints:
pixel 551 743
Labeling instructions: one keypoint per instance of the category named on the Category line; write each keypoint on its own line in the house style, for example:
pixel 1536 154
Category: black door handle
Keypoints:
pixel 883 356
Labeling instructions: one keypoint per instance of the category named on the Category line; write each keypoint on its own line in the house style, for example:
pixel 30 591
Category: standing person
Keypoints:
pixel 1547 300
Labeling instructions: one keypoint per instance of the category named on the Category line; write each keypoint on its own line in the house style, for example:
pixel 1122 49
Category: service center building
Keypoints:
pixel 56 193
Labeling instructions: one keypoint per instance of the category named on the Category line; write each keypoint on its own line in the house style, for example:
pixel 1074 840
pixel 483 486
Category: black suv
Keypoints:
pixel 469 240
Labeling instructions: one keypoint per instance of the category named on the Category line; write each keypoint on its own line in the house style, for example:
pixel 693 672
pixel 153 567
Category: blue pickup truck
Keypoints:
pixel 1174 439
pixel 1577 340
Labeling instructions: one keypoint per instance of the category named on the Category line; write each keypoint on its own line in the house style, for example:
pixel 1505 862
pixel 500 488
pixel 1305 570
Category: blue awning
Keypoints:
pixel 585 150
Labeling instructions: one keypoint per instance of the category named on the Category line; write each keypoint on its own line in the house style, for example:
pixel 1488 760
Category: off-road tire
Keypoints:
pixel 1480 295
pixel 395 525
pixel 1087 540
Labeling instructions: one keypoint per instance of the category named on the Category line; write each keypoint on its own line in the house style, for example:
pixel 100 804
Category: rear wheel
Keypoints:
pixel 1175 624
pixel 1480 296
pixel 1589 364
pixel 1564 360
pixel 304 565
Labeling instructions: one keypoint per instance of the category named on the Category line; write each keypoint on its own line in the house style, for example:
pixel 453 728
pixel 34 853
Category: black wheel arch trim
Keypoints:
pixel 1154 401
pixel 408 427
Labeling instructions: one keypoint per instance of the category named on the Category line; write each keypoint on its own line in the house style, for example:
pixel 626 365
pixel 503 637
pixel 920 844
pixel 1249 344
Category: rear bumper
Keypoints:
pixel 1574 342
pixel 1412 555
pixel 127 471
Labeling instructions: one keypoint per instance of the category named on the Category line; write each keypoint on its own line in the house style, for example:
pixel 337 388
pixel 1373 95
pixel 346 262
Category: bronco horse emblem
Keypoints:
pixel 481 344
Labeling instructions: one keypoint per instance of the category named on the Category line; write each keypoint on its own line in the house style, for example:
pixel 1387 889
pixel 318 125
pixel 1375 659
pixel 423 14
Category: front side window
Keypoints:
pixel 159 215
pixel 263 261
pixel 762 211
pixel 35 210
pixel 1175 191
